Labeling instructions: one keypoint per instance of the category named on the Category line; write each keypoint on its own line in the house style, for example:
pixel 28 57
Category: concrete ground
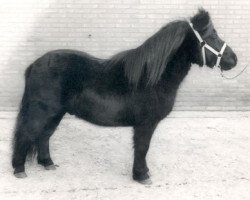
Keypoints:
pixel 193 155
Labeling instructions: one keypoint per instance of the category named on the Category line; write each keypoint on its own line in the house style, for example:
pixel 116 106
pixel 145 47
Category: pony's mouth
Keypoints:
pixel 227 68
pixel 228 64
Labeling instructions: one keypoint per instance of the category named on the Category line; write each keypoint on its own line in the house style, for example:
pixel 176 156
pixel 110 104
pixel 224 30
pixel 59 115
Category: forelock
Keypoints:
pixel 202 21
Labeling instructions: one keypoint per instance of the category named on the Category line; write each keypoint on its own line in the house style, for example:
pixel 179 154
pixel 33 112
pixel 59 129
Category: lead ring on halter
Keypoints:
pixel 205 45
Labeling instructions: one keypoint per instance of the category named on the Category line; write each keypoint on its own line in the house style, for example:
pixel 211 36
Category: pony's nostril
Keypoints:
pixel 235 59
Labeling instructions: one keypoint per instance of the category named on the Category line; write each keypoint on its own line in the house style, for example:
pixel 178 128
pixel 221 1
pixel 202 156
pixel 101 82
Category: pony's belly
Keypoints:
pixel 100 116
pixel 105 111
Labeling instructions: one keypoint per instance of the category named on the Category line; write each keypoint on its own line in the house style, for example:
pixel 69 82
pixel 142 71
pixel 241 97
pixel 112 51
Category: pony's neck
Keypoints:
pixel 179 66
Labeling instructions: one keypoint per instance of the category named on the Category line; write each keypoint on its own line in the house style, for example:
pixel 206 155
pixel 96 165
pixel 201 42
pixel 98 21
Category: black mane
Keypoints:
pixel 150 59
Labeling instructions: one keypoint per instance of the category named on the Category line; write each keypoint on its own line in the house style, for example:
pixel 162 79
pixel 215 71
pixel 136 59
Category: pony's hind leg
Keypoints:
pixel 30 126
pixel 43 157
pixel 26 134
pixel 22 144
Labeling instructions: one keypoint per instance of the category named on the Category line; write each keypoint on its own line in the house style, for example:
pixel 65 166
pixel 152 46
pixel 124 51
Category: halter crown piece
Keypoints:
pixel 205 45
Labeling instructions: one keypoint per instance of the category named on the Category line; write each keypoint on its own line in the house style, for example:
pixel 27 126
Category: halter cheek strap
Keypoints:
pixel 205 45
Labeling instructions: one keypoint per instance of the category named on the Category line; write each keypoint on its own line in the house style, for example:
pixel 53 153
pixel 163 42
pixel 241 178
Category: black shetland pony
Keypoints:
pixel 134 88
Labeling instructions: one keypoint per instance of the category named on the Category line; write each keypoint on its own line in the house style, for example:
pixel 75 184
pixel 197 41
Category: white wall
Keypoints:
pixel 29 28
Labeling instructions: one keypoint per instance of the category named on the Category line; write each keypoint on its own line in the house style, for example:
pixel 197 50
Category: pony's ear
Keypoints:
pixel 201 20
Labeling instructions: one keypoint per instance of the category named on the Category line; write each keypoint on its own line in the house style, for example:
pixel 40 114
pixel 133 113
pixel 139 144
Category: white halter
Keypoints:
pixel 205 45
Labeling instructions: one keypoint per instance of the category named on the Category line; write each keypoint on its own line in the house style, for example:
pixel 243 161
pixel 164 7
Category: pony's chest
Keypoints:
pixel 152 106
pixel 165 104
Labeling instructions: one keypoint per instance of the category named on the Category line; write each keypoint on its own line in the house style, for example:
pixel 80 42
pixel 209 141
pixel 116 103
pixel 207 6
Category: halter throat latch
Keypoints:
pixel 204 45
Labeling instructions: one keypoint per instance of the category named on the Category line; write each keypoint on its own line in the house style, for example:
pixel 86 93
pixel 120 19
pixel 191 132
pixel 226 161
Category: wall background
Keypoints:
pixel 29 28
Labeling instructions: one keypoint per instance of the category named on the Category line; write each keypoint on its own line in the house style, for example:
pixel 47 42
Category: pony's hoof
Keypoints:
pixel 145 182
pixel 20 175
pixel 142 178
pixel 50 167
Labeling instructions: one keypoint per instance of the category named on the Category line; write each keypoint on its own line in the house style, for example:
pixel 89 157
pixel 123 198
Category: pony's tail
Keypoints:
pixel 20 144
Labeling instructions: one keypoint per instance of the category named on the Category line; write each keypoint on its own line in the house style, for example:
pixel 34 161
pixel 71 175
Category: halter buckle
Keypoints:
pixel 203 43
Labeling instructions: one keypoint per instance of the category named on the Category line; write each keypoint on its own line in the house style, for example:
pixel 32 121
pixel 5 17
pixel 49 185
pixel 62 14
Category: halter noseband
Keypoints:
pixel 205 45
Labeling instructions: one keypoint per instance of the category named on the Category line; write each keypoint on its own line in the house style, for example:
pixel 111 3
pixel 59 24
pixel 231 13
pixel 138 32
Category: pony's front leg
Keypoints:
pixel 142 137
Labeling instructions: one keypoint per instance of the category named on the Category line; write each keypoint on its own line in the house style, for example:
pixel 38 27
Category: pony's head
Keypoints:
pixel 213 50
